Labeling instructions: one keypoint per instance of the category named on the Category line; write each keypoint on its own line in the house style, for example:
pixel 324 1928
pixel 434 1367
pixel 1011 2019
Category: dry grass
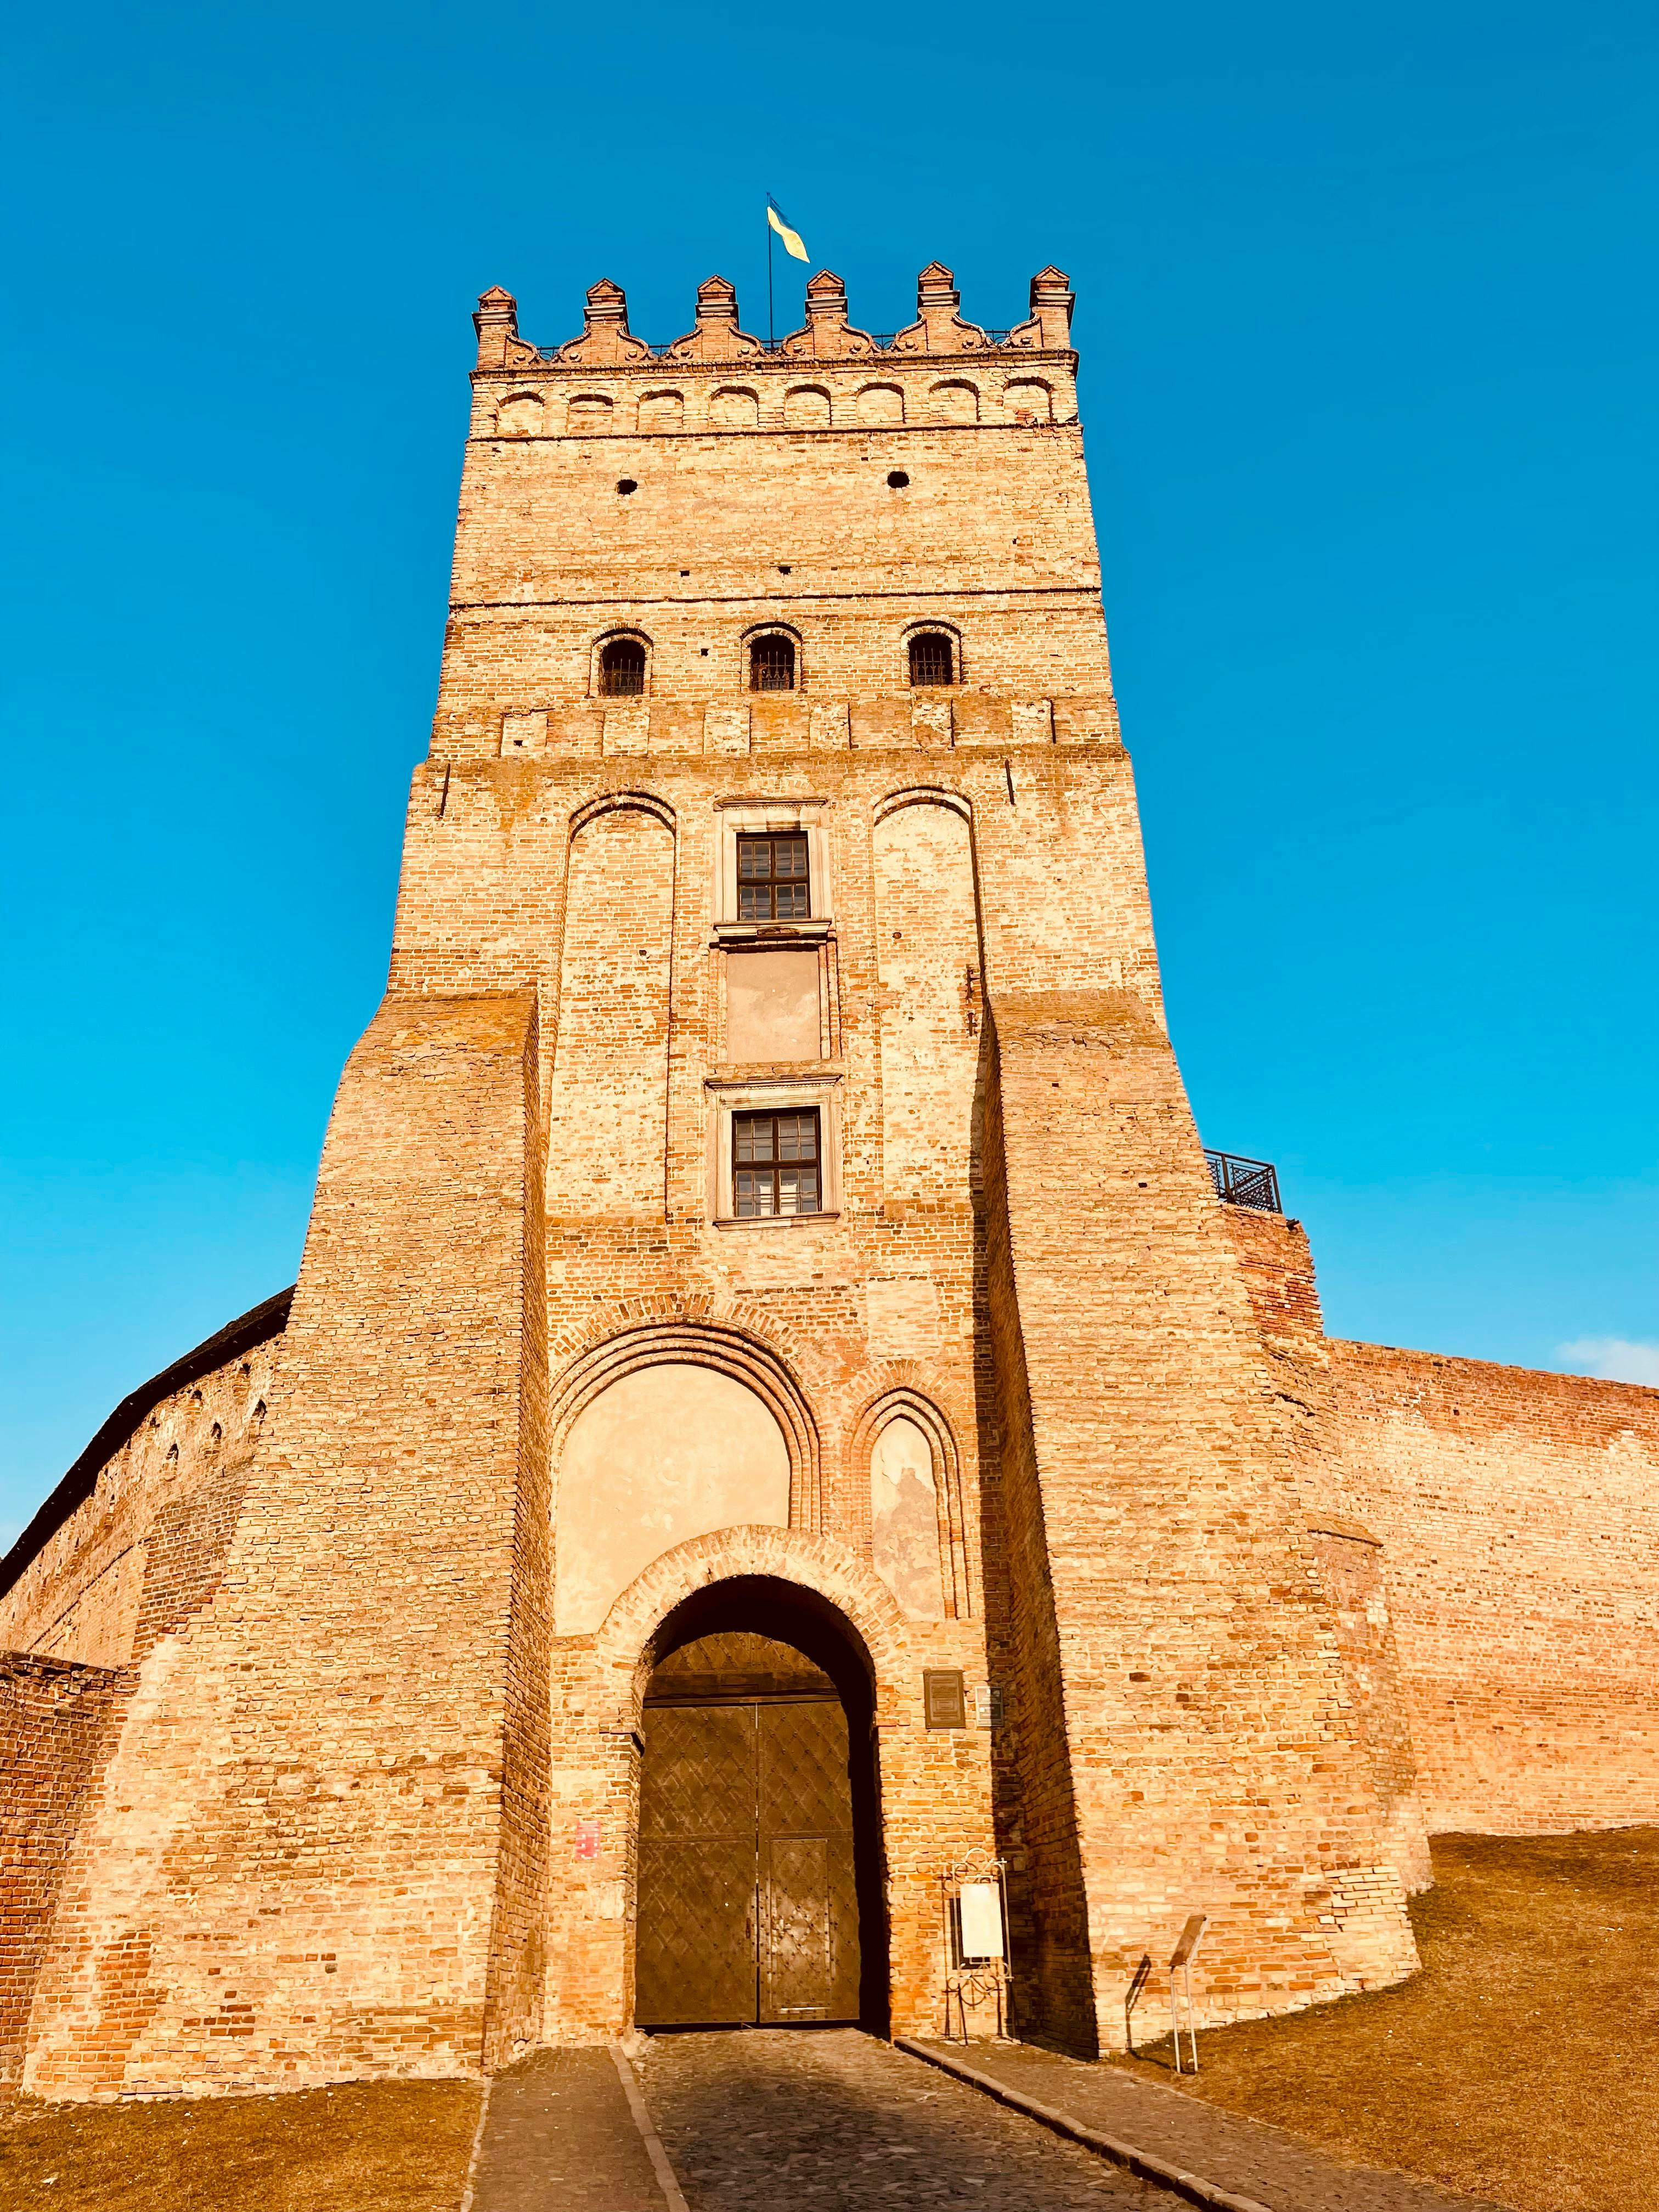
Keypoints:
pixel 386 2147
pixel 1520 2065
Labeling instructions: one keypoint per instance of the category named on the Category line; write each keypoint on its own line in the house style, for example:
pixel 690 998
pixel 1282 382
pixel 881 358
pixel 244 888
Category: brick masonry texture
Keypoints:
pixel 309 1785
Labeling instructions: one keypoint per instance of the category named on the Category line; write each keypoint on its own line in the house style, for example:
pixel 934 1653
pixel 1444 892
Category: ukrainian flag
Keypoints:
pixel 792 240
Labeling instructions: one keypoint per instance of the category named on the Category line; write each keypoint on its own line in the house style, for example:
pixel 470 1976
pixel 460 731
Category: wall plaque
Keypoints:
pixel 942 1696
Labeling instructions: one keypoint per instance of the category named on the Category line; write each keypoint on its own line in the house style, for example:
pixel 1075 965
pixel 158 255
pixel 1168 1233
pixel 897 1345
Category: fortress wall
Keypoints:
pixel 1519 1516
pixel 55 1730
pixel 1216 1754
pixel 325 1802
pixel 141 1547
pixel 1276 1262
pixel 1490 1536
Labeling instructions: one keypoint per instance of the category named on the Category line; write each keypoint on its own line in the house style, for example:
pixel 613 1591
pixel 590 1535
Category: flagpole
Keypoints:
pixel 771 333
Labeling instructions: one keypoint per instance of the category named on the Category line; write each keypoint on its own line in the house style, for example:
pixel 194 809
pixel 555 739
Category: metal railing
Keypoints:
pixel 884 340
pixel 1244 1182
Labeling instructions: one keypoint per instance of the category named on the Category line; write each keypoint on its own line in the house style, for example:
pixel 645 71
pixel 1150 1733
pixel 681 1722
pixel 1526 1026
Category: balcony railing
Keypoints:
pixel 1244 1182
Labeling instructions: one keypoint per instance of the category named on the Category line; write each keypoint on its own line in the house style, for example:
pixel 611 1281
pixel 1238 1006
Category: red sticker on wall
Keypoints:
pixel 587 1839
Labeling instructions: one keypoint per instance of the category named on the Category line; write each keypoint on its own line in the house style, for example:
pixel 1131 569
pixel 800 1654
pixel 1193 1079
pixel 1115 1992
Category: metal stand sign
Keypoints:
pixel 1180 1962
pixel 974 1900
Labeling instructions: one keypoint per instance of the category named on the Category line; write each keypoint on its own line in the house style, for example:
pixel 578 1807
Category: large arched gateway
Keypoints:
pixel 758 1895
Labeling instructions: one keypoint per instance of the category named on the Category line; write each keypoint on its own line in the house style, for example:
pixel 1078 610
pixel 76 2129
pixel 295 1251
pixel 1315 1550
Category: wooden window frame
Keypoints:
pixel 728 1099
pixel 784 897
pixel 773 818
pixel 777 1173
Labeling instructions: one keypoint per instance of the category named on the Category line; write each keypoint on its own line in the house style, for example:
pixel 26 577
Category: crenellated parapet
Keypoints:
pixel 717 335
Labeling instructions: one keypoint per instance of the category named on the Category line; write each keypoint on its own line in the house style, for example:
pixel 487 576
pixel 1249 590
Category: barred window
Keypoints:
pixel 775 1165
pixel 931 660
pixel 622 668
pixel 772 664
pixel 772 879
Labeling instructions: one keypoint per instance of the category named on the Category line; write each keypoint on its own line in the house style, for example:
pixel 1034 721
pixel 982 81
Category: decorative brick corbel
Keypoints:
pixel 496 323
pixel 1052 302
pixel 716 337
pixel 606 339
pixel 939 329
pixel 827 334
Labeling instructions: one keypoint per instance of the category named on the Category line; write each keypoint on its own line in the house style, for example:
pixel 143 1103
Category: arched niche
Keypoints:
pixel 664 1454
pixel 904 1519
pixel 929 966
pixel 880 403
pixel 806 408
pixel 589 412
pixel 520 414
pixel 1028 399
pixel 607 1100
pixel 903 1448
pixel 954 400
pixel 734 408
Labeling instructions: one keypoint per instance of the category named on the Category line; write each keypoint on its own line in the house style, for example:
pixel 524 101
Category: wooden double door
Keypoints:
pixel 747 1901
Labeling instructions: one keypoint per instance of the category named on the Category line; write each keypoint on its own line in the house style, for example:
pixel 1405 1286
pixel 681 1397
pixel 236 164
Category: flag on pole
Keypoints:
pixel 791 241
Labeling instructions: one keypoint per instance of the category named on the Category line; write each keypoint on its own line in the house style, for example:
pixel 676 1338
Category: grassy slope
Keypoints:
pixel 1522 2064
pixel 395 2146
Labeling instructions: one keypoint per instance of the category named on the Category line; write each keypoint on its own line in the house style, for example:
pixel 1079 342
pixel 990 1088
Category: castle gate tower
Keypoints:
pixel 770 1401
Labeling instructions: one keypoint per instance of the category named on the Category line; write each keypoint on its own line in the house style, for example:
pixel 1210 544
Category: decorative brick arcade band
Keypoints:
pixel 765 1214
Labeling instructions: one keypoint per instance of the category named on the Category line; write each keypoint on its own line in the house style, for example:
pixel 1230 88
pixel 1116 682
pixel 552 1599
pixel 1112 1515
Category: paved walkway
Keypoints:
pixel 1247 2157
pixel 558 2137
pixel 831 2120
pixel 791 2120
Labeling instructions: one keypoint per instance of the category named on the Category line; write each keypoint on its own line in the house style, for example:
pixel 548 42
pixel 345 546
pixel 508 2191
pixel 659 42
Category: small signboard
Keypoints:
pixel 980 1907
pixel 987 1705
pixel 587 1839
pixel 1188 1942
pixel 944 1697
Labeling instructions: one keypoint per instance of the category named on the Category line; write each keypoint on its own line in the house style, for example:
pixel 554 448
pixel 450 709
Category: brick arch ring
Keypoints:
pixel 617 802
pixel 901 1402
pixel 926 794
pixel 728 1352
pixel 625 1650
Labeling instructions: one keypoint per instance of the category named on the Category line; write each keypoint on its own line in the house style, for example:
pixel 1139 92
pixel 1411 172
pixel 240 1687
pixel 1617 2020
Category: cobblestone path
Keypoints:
pixel 771 2119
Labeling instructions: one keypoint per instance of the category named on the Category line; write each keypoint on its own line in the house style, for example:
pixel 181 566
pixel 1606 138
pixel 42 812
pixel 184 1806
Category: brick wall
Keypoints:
pixel 1490 1537
pixel 1216 1760
pixel 141 1548
pixel 55 1716
pixel 1519 1516
pixel 322 1797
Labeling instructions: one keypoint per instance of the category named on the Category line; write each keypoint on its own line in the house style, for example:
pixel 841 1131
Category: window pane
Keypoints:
pixel 791 901
pixel 752 1135
pixel 754 857
pixel 798 1190
pixel 753 1188
pixel 797 1136
pixel 790 857
pixel 754 902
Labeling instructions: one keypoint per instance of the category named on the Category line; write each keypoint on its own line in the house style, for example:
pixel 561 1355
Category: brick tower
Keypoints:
pixel 763 1217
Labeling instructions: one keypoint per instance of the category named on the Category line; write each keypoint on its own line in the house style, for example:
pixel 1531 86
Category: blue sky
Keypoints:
pixel 1367 331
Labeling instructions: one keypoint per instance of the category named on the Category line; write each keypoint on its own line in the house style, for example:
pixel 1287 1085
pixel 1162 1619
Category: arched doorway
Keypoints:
pixel 758 1892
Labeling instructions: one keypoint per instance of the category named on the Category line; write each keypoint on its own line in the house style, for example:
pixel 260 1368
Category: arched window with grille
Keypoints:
pixel 932 658
pixel 772 663
pixel 622 668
